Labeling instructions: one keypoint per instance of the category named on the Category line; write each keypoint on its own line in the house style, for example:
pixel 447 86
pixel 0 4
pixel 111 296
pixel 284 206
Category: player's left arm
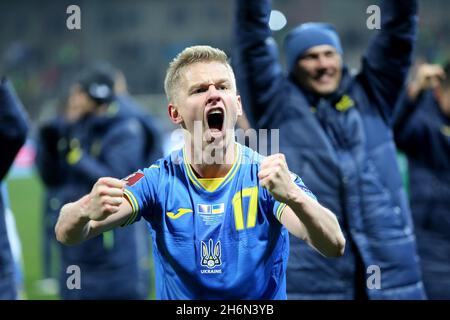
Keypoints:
pixel 303 216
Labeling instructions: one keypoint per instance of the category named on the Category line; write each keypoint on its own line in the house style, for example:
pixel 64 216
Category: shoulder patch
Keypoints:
pixel 133 178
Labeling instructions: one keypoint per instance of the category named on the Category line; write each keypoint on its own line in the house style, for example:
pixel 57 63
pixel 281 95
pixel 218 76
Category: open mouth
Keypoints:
pixel 215 119
pixel 324 76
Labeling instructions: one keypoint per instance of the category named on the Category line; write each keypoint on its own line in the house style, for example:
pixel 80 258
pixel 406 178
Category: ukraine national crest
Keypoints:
pixel 211 255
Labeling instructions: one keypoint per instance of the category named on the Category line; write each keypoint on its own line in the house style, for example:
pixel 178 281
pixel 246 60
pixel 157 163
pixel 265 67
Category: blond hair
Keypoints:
pixel 187 57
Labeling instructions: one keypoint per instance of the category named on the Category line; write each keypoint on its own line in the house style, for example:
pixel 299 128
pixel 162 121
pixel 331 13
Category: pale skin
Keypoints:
pixel 430 77
pixel 200 89
pixel 79 104
pixel 319 70
pixel 207 86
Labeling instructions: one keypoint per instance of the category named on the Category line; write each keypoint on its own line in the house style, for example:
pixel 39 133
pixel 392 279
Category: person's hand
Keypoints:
pixel 428 76
pixel 104 199
pixel 275 176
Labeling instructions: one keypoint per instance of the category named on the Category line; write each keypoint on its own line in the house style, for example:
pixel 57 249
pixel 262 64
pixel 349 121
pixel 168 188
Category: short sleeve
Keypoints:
pixel 141 192
pixel 278 207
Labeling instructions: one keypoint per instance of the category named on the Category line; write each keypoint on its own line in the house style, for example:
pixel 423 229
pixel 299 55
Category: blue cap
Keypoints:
pixel 308 35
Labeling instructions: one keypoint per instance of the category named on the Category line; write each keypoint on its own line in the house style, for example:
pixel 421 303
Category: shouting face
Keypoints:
pixel 206 97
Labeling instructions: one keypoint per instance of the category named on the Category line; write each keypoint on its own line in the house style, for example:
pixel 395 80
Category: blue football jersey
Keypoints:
pixel 212 238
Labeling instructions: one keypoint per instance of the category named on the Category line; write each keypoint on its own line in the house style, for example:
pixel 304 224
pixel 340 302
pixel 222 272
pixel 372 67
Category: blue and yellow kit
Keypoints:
pixel 212 238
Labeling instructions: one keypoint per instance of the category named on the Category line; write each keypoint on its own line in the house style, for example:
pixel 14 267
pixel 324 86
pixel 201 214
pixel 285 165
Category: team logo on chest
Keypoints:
pixel 180 212
pixel 211 256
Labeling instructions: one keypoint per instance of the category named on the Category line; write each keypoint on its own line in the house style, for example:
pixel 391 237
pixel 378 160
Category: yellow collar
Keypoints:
pixel 212 184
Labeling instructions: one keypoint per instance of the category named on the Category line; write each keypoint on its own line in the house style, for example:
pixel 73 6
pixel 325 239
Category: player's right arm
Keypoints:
pixel 103 209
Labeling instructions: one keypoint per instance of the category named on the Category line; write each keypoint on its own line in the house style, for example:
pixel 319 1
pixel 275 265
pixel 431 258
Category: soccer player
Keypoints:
pixel 13 132
pixel 422 132
pixel 218 212
pixel 335 130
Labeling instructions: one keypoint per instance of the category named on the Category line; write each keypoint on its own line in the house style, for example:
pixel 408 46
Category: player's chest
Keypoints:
pixel 231 212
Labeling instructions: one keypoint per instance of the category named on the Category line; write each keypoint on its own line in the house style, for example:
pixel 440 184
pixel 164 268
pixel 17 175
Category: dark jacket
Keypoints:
pixel 13 132
pixel 113 265
pixel 153 149
pixel 342 148
pixel 422 132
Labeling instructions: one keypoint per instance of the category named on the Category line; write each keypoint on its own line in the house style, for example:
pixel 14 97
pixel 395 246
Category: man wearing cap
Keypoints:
pixel 96 140
pixel 335 131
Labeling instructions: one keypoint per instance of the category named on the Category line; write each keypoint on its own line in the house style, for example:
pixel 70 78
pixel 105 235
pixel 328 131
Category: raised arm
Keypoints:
pixel 255 58
pixel 389 55
pixel 303 216
pixel 409 125
pixel 13 126
pixel 103 209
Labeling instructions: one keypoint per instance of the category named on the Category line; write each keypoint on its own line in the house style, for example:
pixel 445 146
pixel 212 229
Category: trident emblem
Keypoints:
pixel 210 256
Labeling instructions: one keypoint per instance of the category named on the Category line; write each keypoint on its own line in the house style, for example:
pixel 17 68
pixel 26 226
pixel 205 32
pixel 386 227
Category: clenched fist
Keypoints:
pixel 275 176
pixel 105 199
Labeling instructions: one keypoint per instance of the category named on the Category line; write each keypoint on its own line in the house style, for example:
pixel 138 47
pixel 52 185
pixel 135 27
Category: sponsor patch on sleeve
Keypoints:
pixel 133 178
